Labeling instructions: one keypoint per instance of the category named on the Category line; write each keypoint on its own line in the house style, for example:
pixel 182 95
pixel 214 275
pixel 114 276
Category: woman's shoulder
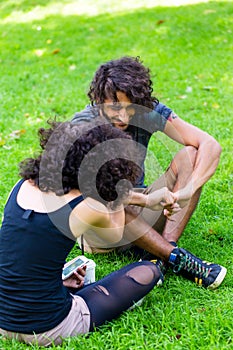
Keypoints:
pixel 31 197
pixel 16 187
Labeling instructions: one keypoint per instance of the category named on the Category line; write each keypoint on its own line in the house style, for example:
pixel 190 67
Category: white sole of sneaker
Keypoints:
pixel 138 303
pixel 219 279
pixel 160 282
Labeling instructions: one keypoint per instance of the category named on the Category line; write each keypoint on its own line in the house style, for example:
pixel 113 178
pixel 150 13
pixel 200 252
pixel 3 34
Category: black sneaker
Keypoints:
pixel 201 272
pixel 162 265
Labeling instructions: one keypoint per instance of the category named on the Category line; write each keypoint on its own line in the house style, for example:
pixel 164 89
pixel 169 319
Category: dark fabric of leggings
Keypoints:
pixel 115 293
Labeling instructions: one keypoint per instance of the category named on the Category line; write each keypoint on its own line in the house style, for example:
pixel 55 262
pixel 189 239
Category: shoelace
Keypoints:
pixel 189 264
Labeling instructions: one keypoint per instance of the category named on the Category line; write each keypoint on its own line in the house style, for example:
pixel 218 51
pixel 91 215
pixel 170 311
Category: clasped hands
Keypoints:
pixel 163 199
pixel 169 202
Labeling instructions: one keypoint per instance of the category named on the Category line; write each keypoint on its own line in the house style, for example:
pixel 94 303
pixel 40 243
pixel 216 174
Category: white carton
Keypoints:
pixel 79 261
pixel 90 272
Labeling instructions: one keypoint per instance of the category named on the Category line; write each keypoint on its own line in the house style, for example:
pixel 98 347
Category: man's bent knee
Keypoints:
pixel 184 160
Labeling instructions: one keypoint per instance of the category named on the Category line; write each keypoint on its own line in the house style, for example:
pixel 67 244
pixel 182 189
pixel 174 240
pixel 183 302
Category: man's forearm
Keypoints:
pixel 207 160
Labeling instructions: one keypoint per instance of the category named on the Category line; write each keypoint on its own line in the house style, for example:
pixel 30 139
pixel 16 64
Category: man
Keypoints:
pixel 121 92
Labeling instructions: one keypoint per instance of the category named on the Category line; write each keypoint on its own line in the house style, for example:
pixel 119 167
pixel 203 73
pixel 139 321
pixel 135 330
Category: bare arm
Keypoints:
pixel 156 200
pixel 161 199
pixel 92 215
pixel 208 150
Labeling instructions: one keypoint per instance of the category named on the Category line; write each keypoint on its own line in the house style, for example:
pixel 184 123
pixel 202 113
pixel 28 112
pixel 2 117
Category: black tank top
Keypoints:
pixel 33 250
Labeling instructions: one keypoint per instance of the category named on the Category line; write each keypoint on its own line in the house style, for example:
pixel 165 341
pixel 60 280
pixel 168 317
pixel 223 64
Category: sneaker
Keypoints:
pixel 138 303
pixel 203 273
pixel 163 268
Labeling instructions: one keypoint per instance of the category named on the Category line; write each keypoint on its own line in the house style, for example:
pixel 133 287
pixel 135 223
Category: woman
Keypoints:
pixel 72 186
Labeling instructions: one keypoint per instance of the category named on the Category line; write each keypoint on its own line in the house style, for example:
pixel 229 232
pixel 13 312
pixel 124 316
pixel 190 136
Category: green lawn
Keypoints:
pixel 49 51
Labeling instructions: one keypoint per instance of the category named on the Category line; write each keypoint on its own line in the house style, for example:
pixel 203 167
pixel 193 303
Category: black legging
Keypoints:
pixel 108 297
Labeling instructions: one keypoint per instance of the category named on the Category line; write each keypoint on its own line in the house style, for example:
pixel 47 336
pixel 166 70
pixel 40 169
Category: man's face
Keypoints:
pixel 119 113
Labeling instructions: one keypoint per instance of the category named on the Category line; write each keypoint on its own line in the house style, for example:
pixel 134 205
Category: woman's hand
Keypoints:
pixel 76 280
pixel 163 199
pixel 160 199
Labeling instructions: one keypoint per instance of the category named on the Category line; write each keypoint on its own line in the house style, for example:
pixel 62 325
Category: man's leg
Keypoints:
pixel 140 233
pixel 145 231
pixel 164 254
pixel 147 236
pixel 139 230
pixel 182 166
pixel 177 176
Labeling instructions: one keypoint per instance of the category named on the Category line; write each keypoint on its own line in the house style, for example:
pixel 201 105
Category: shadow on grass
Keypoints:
pixel 61 53
pixel 179 33
pixel 7 7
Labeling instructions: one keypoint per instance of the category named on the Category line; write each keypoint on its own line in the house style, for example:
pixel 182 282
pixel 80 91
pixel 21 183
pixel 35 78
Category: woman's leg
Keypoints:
pixel 115 293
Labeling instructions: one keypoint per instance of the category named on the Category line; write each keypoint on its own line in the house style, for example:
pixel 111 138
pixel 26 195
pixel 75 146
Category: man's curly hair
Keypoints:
pixel 67 146
pixel 126 74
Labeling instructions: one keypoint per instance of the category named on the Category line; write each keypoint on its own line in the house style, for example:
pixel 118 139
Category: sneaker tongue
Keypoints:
pixel 174 256
pixel 174 244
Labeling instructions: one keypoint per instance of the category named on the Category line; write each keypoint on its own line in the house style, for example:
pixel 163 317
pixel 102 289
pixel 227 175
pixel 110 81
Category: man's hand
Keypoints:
pixel 76 280
pixel 170 210
pixel 163 199
pixel 184 195
pixel 160 199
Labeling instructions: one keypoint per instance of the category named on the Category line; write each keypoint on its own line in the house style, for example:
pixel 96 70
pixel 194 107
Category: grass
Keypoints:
pixel 49 52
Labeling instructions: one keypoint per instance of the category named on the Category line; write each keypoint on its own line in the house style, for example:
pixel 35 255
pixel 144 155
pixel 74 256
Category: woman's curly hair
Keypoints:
pixel 91 158
pixel 127 75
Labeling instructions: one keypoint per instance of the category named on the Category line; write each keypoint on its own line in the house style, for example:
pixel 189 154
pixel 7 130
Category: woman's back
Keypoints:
pixel 33 249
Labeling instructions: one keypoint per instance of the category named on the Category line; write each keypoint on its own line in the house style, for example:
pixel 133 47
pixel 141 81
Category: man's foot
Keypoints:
pixel 163 268
pixel 201 272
